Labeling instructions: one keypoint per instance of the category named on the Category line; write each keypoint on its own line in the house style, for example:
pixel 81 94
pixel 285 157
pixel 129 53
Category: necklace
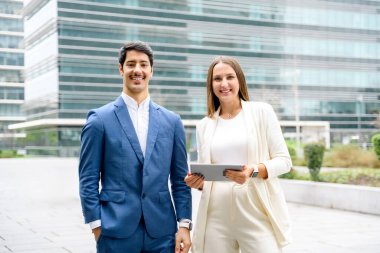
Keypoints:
pixel 233 113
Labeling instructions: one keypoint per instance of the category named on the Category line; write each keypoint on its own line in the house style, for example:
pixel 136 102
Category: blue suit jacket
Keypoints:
pixel 131 185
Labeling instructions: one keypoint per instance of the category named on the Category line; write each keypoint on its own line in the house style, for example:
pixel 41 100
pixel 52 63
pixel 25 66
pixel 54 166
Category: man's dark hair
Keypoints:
pixel 138 46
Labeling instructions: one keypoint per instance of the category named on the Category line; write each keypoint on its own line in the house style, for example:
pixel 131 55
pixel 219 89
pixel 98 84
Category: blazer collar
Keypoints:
pixel 125 121
pixel 122 115
pixel 154 125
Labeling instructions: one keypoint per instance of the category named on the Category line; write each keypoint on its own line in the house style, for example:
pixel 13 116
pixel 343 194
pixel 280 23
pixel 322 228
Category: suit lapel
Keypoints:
pixel 154 123
pixel 125 121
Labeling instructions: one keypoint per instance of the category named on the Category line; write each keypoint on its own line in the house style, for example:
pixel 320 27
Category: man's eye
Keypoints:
pixel 217 79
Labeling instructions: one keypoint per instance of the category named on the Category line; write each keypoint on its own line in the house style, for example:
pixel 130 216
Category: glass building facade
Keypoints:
pixel 314 60
pixel 11 72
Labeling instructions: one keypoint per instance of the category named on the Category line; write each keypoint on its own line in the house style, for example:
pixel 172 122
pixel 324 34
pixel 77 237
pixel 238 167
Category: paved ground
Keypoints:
pixel 40 212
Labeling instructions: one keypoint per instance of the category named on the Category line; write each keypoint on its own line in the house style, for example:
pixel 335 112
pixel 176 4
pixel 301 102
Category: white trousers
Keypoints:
pixel 237 222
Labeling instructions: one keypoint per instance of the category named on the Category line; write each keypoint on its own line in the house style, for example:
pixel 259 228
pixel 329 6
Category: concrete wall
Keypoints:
pixel 338 196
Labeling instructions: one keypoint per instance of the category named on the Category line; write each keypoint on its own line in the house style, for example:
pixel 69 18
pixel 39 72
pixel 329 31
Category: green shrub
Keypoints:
pixel 368 177
pixel 350 156
pixel 376 145
pixel 293 174
pixel 314 157
pixel 290 175
pixel 292 153
pixel 6 153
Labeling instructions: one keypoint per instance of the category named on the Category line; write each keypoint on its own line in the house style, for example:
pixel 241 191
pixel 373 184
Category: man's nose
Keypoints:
pixel 137 68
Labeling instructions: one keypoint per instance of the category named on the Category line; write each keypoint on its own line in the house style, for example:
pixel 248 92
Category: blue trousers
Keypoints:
pixel 139 242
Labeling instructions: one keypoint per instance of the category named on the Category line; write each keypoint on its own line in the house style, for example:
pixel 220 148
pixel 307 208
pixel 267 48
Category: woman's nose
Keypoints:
pixel 224 82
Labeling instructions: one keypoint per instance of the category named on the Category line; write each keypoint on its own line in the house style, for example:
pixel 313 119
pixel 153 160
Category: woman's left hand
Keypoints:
pixel 239 176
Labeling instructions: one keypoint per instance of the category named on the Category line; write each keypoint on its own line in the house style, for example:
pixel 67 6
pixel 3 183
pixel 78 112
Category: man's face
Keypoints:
pixel 136 73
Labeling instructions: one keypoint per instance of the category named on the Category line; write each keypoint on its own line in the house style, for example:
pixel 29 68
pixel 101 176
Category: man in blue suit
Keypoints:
pixel 132 146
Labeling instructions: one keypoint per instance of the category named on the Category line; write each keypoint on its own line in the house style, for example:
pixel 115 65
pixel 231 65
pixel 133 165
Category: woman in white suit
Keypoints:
pixel 247 214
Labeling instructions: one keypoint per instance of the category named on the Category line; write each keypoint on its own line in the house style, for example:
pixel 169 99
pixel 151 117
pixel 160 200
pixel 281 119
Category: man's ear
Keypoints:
pixel 152 71
pixel 121 71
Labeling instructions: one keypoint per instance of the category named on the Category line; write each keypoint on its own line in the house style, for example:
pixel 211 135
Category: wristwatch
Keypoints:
pixel 255 171
pixel 186 224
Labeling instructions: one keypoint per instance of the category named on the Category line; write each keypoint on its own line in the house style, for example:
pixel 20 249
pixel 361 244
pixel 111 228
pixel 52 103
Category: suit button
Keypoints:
pixel 143 195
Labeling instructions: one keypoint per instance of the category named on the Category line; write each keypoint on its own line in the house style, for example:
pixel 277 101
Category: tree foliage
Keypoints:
pixel 376 145
pixel 313 153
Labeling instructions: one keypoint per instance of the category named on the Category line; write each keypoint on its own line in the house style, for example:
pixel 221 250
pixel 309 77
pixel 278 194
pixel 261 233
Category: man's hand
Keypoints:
pixel 96 232
pixel 182 241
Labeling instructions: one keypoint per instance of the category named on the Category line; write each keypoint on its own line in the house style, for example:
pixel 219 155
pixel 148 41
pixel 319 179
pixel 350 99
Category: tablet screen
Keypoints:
pixel 213 172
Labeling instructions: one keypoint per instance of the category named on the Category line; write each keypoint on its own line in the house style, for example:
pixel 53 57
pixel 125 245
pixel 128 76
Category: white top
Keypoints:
pixel 229 143
pixel 140 118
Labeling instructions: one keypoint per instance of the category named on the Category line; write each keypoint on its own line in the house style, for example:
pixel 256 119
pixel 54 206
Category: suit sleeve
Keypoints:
pixel 280 161
pixel 180 191
pixel 91 156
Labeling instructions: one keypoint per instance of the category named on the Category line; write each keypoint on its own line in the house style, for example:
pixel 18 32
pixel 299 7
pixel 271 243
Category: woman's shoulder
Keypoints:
pixel 201 123
pixel 258 106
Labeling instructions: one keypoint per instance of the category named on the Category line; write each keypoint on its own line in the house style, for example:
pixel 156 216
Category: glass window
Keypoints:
pixel 7 41
pixel 14 59
pixel 12 25
pixel 10 110
pixel 11 93
pixel 9 7
pixel 12 76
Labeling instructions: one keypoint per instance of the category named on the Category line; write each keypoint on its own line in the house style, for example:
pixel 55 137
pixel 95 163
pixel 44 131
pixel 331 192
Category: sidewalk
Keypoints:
pixel 40 213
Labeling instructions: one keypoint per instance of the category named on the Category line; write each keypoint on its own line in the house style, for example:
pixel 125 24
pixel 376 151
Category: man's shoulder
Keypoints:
pixel 104 108
pixel 102 113
pixel 165 111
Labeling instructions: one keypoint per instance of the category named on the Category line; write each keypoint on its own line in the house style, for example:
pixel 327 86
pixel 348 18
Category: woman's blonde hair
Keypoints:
pixel 212 100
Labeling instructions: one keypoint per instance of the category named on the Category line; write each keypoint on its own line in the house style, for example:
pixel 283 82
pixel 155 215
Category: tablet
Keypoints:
pixel 213 172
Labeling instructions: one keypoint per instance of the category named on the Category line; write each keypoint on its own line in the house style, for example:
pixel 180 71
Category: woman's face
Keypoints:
pixel 225 84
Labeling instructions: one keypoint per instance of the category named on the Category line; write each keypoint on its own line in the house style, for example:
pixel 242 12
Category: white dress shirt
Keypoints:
pixel 140 118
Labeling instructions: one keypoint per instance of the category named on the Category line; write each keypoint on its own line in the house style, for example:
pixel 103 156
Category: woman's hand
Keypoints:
pixel 240 176
pixel 194 181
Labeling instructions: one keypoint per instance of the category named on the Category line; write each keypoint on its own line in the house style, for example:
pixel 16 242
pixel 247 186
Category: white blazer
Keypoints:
pixel 266 145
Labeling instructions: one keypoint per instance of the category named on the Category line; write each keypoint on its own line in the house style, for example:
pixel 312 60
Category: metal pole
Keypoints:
pixel 360 100
pixel 296 112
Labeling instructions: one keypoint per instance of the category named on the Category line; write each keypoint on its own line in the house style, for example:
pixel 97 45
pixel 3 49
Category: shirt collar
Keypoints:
pixel 130 102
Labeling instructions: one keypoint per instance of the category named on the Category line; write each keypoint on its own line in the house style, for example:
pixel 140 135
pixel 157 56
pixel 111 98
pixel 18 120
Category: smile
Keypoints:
pixel 224 91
